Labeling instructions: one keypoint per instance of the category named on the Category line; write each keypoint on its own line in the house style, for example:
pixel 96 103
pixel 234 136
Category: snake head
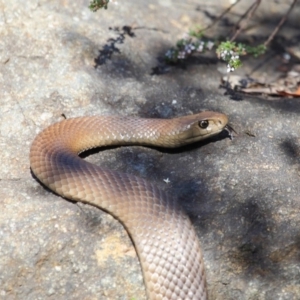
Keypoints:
pixel 201 126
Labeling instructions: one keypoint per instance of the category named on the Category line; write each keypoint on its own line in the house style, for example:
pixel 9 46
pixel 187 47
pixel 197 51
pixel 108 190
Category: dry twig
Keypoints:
pixel 249 14
pixel 221 15
pixel 283 19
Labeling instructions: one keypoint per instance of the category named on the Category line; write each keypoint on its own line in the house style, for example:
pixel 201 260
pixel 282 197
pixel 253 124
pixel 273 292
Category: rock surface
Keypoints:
pixel 243 196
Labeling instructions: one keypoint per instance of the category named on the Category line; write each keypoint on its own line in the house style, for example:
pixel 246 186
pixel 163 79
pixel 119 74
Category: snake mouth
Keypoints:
pixel 229 129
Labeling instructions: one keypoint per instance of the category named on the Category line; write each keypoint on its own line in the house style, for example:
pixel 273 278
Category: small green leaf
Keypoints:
pixel 197 32
pixel 97 4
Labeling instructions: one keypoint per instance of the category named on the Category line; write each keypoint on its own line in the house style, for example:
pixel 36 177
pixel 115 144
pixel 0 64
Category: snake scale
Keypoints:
pixel 164 238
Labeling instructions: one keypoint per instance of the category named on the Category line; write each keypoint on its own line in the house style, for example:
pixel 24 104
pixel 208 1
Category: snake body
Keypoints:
pixel 164 238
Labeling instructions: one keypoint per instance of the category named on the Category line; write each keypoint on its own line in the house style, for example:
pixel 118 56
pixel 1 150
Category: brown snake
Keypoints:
pixel 165 240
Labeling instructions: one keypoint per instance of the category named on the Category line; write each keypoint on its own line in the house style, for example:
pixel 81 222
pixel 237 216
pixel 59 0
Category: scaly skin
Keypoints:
pixel 165 240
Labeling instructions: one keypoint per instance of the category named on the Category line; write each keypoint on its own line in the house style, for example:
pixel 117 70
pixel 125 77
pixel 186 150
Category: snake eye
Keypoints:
pixel 203 124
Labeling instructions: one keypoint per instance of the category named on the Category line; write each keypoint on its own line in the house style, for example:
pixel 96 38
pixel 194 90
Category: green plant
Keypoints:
pixel 187 47
pixel 228 50
pixel 97 4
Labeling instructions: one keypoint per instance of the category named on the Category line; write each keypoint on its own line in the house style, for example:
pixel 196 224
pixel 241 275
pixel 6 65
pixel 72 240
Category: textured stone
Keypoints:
pixel 242 195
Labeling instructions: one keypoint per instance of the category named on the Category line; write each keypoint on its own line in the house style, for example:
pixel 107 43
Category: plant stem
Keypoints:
pixel 221 15
pixel 283 19
pixel 249 14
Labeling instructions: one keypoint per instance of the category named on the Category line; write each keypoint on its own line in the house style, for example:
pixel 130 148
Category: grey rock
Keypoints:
pixel 242 195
